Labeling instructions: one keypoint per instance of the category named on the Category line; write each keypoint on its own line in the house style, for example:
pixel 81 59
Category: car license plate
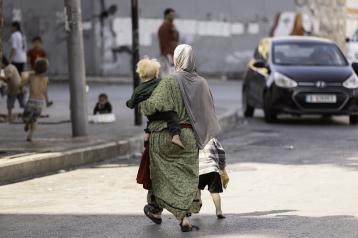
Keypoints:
pixel 321 98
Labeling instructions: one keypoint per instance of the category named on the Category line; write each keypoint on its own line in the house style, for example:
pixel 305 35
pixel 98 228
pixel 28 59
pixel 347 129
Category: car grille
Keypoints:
pixel 300 100
pixel 313 84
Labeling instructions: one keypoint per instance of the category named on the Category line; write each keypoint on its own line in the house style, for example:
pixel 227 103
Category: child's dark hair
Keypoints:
pixel 5 61
pixel 103 95
pixel 41 66
pixel 16 25
pixel 37 38
pixel 168 11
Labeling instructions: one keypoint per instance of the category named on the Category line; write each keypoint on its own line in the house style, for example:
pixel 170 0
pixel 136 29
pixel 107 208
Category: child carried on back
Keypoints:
pixel 148 70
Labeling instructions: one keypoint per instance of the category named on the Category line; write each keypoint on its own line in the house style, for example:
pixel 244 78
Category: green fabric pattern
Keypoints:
pixel 174 171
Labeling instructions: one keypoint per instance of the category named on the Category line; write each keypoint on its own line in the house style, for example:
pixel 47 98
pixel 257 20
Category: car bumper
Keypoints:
pixel 293 101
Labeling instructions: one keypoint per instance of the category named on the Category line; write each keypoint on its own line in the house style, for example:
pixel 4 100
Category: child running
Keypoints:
pixel 212 163
pixel 38 93
pixel 148 70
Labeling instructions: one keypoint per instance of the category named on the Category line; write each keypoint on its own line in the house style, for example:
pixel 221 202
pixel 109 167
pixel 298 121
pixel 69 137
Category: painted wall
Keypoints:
pixel 223 33
pixel 46 19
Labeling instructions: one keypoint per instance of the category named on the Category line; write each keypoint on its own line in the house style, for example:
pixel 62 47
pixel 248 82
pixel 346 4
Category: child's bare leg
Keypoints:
pixel 217 202
pixel 176 140
pixel 32 127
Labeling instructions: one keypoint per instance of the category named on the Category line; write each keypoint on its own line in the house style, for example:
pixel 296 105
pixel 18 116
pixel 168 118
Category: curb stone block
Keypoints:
pixel 36 165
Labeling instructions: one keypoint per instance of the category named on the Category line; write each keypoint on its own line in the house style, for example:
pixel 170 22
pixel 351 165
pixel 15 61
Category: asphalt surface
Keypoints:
pixel 54 133
pixel 296 178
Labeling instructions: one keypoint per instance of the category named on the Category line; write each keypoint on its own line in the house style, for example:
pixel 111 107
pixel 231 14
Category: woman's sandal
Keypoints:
pixel 150 215
pixel 220 216
pixel 188 228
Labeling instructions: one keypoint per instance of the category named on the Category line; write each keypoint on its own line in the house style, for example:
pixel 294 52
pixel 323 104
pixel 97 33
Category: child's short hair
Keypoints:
pixel 103 95
pixel 148 68
pixel 41 66
pixel 37 38
pixel 5 62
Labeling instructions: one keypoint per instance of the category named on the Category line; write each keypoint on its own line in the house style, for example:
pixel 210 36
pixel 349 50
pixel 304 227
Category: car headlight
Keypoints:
pixel 283 81
pixel 351 82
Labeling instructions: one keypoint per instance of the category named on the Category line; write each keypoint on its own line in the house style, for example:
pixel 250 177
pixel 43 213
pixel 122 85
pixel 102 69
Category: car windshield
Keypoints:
pixel 307 54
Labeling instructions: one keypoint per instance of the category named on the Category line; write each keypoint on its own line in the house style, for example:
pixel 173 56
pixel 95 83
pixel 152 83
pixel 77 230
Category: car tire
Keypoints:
pixel 353 119
pixel 270 114
pixel 247 108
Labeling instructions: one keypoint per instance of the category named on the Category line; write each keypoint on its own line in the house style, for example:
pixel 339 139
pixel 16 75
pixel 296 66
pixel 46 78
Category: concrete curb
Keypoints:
pixel 41 164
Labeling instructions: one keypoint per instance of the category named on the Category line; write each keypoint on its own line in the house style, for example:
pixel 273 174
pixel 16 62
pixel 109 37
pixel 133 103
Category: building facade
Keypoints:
pixel 223 33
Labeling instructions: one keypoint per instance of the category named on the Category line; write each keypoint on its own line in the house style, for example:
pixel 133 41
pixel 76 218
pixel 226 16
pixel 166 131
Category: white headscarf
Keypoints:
pixel 196 94
pixel 184 59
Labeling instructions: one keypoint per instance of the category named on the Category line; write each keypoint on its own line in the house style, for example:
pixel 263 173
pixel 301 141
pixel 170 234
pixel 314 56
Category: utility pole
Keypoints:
pixel 76 67
pixel 135 56
pixel 1 27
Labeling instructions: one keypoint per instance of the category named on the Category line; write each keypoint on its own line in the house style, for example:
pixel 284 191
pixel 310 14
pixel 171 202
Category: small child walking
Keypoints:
pixel 36 52
pixel 148 70
pixel 212 173
pixel 37 82
pixel 103 106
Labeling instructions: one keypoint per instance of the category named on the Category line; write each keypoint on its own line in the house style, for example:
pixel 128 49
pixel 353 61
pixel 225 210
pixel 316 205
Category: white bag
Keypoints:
pixel 102 118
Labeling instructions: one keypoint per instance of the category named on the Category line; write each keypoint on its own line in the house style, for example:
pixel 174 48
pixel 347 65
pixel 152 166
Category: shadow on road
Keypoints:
pixel 138 226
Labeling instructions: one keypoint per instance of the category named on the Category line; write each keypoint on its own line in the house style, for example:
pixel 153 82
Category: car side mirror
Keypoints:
pixel 355 67
pixel 259 64
pixel 348 40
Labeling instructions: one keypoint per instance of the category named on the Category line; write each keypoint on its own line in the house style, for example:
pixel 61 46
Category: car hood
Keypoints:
pixel 315 73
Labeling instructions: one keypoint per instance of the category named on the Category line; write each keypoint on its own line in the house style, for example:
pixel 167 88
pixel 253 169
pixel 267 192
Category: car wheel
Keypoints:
pixel 353 119
pixel 247 108
pixel 270 114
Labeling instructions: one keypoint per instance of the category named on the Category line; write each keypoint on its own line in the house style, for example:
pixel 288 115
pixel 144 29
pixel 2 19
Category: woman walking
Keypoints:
pixel 174 171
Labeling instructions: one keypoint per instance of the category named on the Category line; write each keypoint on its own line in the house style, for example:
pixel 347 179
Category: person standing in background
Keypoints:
pixel 18 47
pixel 168 40
pixel 35 52
pixel 18 54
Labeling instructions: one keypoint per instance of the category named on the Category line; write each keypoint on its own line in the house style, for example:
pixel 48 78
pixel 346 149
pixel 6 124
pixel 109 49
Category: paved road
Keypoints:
pixel 54 133
pixel 297 178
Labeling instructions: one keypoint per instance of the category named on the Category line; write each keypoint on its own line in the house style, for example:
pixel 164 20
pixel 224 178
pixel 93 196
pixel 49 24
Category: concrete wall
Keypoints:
pixel 328 18
pixel 219 52
pixel 46 18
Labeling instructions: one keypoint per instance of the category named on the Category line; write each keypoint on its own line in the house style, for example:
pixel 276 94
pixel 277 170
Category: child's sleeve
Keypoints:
pixel 131 103
pixel 221 153
pixel 95 109
pixel 109 108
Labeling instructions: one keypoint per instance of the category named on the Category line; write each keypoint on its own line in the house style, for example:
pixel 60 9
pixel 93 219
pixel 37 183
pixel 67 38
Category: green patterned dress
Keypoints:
pixel 174 171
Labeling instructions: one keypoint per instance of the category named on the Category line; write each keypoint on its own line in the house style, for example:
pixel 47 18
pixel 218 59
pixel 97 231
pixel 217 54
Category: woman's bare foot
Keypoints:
pixel 186 225
pixel 176 140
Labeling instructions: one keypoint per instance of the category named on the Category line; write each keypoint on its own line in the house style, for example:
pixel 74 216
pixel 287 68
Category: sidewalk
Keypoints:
pixel 53 137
